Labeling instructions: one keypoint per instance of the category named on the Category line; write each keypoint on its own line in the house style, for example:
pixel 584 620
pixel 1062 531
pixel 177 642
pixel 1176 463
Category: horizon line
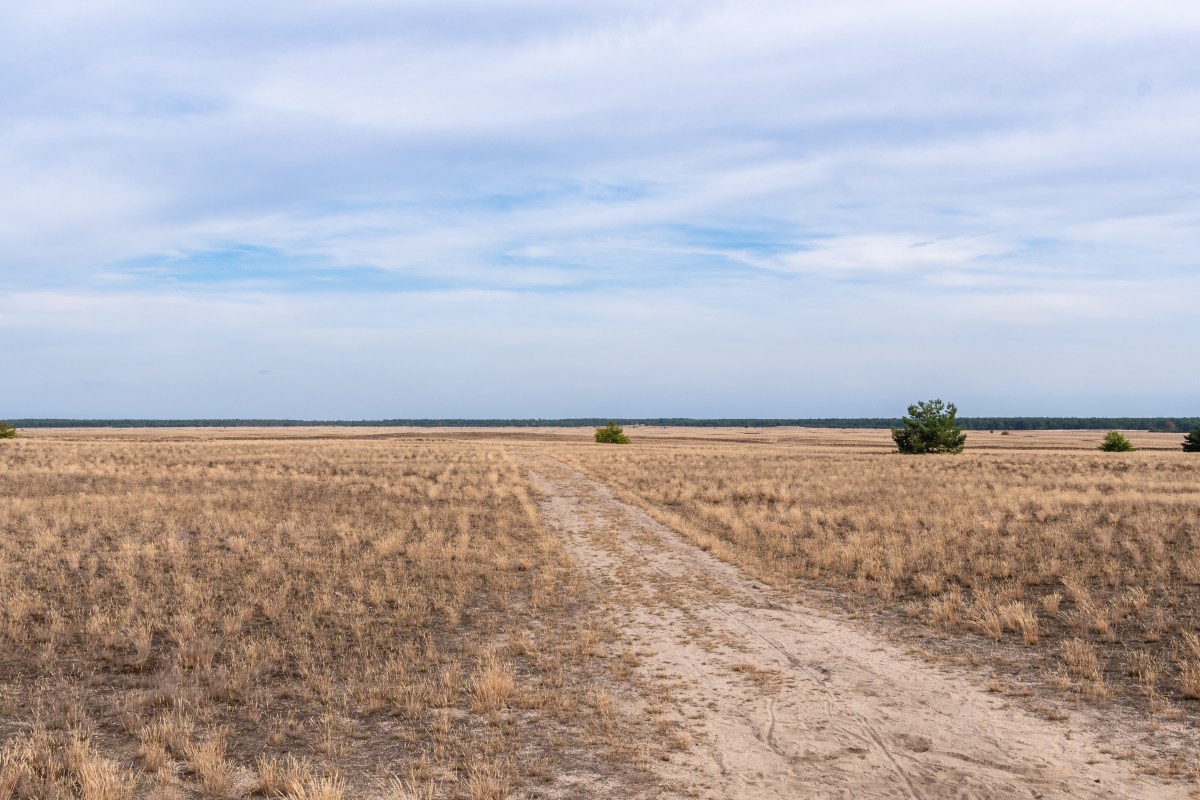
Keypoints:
pixel 1167 424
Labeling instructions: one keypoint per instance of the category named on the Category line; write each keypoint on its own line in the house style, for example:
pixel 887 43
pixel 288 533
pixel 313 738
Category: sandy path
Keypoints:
pixel 787 701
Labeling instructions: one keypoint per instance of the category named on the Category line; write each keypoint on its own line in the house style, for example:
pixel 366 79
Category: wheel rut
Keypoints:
pixel 789 701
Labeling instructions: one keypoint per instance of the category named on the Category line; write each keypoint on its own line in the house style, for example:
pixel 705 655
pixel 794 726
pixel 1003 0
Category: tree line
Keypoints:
pixel 1159 424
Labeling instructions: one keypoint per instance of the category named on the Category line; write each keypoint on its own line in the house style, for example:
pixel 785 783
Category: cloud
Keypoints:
pixel 1029 163
pixel 858 255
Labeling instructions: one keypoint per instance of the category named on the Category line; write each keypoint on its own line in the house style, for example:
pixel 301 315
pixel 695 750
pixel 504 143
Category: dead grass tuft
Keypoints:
pixel 491 684
pixel 55 764
pixel 489 781
pixel 207 761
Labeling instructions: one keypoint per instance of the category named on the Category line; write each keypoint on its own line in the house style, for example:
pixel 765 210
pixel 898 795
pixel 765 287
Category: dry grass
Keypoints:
pixel 382 614
pixel 297 617
pixel 1089 561
pixel 52 764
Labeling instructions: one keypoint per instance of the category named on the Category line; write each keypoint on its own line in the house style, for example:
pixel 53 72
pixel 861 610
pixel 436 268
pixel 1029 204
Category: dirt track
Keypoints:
pixel 788 701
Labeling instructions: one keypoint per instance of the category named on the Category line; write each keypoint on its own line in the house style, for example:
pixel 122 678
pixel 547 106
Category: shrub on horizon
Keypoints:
pixel 930 427
pixel 7 431
pixel 1191 442
pixel 612 433
pixel 1115 442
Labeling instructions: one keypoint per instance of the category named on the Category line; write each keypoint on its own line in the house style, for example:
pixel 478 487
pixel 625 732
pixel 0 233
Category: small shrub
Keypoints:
pixel 612 433
pixel 1115 442
pixel 9 432
pixel 930 427
pixel 1191 442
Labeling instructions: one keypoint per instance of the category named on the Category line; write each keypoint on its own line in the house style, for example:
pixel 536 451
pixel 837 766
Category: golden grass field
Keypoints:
pixel 1089 560
pixel 343 613
pixel 186 616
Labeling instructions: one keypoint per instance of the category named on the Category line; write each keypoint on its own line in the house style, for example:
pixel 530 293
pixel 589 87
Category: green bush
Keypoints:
pixel 612 433
pixel 1114 442
pixel 930 428
pixel 1191 442
pixel 7 431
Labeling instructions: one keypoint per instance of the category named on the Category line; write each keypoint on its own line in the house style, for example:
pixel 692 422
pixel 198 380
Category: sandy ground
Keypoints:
pixel 788 701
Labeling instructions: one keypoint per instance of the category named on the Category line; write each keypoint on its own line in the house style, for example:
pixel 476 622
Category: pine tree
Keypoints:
pixel 1115 442
pixel 1191 442
pixel 930 427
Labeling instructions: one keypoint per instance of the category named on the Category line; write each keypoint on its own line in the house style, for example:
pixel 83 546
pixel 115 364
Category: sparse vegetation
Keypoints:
pixel 1031 548
pixel 296 618
pixel 930 427
pixel 1115 442
pixel 1191 442
pixel 226 614
pixel 612 433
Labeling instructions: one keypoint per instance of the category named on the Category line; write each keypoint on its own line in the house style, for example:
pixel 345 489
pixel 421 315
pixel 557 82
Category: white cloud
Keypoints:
pixel 867 254
pixel 1031 161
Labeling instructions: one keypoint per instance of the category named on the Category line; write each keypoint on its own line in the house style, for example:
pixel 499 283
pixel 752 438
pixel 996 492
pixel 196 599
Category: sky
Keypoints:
pixel 537 208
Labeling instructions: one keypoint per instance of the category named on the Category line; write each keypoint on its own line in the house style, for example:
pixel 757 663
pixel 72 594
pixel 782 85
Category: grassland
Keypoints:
pixel 1089 561
pixel 193 616
pixel 320 613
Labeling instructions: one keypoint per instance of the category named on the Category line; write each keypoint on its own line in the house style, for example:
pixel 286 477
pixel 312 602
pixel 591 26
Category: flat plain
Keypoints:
pixel 485 613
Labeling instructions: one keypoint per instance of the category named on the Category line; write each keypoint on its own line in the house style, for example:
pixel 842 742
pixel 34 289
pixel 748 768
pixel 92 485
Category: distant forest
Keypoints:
pixel 1164 424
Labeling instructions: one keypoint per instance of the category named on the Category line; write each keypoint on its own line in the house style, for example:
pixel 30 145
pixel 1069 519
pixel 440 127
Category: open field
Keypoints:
pixel 789 699
pixel 401 613
pixel 318 619
pixel 1089 560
